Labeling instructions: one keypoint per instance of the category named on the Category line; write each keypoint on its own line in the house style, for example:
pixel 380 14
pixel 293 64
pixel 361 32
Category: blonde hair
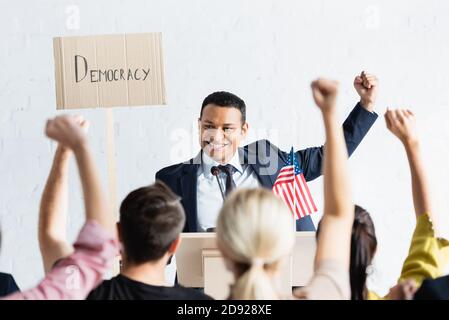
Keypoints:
pixel 254 231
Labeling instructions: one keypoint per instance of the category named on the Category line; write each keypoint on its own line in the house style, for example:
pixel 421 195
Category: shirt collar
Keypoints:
pixel 207 163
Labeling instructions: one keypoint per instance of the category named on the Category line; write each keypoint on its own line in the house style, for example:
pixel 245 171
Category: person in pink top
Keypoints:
pixel 76 275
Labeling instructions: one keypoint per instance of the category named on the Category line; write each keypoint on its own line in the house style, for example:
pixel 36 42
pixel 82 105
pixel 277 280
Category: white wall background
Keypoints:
pixel 267 52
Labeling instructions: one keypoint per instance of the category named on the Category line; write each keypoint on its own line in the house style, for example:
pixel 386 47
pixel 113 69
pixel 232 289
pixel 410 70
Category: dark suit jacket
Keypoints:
pixel 266 160
pixel 434 289
pixel 7 284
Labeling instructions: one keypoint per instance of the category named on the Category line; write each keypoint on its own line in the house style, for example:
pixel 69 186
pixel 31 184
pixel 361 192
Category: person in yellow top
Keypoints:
pixel 428 255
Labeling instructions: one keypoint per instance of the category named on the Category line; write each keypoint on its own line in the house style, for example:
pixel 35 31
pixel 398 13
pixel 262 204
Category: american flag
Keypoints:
pixel 292 187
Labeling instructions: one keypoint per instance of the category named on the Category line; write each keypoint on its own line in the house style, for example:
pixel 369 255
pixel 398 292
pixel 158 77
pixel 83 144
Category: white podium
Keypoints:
pixel 200 265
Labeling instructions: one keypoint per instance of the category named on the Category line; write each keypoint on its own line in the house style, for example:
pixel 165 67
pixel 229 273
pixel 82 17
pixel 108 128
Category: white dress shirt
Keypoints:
pixel 209 199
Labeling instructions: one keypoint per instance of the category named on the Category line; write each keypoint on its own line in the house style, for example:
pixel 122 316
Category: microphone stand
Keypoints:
pixel 215 171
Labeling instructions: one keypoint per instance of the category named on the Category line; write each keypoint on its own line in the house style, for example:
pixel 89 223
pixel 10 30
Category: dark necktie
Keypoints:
pixel 229 171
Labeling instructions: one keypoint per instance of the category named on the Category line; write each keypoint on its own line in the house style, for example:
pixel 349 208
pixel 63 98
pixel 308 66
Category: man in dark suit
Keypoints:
pixel 221 166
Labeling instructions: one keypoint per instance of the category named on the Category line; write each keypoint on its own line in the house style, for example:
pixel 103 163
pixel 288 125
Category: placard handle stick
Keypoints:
pixel 112 174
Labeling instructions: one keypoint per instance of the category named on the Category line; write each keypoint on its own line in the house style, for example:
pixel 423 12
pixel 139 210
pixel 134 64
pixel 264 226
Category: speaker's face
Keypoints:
pixel 221 132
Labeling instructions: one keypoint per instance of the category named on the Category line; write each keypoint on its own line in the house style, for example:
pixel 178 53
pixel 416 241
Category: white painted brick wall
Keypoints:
pixel 267 52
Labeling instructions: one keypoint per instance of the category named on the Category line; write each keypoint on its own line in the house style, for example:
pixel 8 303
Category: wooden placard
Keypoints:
pixel 109 71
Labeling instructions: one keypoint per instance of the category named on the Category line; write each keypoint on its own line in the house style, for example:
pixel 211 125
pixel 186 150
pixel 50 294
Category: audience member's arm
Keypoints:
pixel 69 133
pixel 404 290
pixel 73 277
pixel 402 124
pixel 53 211
pixel 335 235
pixel 427 256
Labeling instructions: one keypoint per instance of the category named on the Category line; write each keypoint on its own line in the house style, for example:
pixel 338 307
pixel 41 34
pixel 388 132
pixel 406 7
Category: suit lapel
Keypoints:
pixel 250 155
pixel 188 191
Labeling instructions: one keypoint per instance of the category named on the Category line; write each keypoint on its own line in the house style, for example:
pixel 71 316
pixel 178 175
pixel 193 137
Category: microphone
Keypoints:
pixel 215 171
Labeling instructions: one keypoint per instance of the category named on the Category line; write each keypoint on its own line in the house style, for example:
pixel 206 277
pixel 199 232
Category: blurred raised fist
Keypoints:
pixel 402 123
pixel 325 94
pixel 68 131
